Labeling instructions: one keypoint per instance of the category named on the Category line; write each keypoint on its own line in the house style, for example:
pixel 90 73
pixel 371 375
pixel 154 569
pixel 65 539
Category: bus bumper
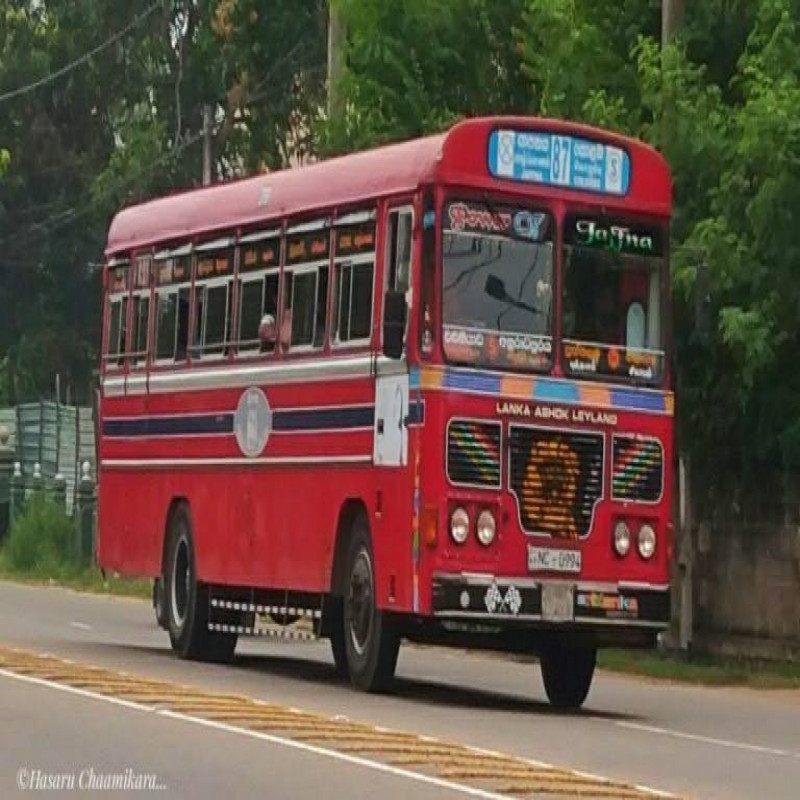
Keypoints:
pixel 482 598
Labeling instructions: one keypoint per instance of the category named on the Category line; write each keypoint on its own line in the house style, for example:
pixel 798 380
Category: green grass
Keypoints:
pixel 705 670
pixel 41 549
pixel 85 579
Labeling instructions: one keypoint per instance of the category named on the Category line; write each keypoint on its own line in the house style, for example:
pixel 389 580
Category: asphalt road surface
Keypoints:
pixel 695 742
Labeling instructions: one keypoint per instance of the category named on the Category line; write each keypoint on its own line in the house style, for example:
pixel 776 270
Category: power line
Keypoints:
pixel 66 217
pixel 53 76
pixel 70 215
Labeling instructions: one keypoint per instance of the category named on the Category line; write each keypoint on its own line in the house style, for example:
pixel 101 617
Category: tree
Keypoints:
pixel 120 128
pixel 414 67
pixel 719 102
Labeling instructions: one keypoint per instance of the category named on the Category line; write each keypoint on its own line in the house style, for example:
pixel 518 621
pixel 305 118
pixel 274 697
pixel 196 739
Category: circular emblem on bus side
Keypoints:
pixel 252 423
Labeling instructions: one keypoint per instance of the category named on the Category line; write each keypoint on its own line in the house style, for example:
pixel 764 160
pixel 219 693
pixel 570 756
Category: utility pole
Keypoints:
pixel 672 13
pixel 207 145
pixel 336 38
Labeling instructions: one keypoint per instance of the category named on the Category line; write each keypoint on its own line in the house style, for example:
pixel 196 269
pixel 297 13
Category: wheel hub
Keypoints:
pixel 361 602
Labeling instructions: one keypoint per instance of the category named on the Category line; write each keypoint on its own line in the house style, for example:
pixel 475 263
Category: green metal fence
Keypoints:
pixel 46 440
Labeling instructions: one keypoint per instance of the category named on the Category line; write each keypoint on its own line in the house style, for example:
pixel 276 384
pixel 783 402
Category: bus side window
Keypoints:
pixel 354 278
pixel 259 257
pixel 214 297
pixel 117 330
pixel 173 288
pixel 305 293
pixel 212 320
pixel 141 321
pixel 117 311
pixel 141 310
pixel 399 238
pixel 354 301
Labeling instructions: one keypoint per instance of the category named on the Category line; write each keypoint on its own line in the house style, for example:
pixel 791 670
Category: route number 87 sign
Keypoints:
pixel 565 161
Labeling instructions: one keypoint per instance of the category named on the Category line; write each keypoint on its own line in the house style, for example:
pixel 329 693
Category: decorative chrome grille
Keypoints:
pixel 557 477
pixel 473 453
pixel 638 473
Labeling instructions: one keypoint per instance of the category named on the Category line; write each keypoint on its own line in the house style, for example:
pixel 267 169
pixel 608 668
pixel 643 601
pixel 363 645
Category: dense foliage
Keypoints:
pixel 720 103
pixel 121 127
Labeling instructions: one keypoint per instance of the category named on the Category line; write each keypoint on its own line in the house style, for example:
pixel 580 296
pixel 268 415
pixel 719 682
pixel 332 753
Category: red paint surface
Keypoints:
pixel 274 525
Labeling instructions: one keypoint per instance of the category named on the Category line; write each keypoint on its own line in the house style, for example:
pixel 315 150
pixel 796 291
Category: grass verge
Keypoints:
pixel 87 579
pixel 45 547
pixel 701 669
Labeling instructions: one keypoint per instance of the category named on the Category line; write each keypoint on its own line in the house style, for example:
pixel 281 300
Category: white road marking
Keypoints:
pixel 693 737
pixel 366 763
pixel 81 626
pixel 266 737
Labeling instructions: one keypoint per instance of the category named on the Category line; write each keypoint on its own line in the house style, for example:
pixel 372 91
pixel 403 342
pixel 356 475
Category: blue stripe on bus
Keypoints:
pixel 315 419
pixel 294 421
pixel 483 382
pixel 637 401
pixel 198 425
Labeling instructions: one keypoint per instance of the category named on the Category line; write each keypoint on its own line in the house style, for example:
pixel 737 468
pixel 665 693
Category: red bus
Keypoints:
pixel 420 392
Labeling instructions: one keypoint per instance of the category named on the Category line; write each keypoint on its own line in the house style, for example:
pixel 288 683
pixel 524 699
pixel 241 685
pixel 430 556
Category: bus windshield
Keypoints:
pixel 612 292
pixel 497 285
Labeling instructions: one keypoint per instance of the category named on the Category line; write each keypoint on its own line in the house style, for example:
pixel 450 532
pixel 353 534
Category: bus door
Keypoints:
pixel 392 401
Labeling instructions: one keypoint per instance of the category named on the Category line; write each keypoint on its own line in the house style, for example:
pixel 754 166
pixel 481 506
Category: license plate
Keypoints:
pixel 548 559
pixel 558 602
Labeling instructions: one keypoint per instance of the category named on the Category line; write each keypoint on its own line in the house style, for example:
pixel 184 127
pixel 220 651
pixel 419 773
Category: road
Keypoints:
pixel 692 741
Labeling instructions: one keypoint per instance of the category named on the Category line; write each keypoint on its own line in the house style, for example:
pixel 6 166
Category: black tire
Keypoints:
pixel 336 635
pixel 160 603
pixel 567 674
pixel 370 637
pixel 186 599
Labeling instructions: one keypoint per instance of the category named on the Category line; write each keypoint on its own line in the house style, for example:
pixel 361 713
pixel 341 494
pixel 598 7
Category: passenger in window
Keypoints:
pixel 267 333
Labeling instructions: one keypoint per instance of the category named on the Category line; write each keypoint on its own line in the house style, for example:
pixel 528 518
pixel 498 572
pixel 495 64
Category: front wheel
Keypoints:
pixel 336 635
pixel 370 637
pixel 567 673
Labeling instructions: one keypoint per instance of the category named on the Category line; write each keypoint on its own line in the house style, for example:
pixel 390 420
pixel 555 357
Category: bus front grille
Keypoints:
pixel 638 474
pixel 557 479
pixel 473 453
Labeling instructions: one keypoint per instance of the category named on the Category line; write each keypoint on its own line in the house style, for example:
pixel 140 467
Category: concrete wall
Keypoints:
pixel 746 589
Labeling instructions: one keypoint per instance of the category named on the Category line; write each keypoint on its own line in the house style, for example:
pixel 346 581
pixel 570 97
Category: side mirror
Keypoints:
pixel 496 288
pixel 394 323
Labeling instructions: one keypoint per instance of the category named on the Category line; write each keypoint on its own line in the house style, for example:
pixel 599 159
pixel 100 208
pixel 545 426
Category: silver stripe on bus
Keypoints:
pixel 243 376
pixel 182 463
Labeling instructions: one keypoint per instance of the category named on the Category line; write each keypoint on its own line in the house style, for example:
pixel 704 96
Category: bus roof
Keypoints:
pixel 458 156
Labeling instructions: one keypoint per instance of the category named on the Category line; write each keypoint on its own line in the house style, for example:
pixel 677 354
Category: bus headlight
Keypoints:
pixel 486 527
pixel 459 525
pixel 647 542
pixel 622 538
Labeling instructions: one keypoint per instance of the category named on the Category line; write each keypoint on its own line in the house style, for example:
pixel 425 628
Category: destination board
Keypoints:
pixel 555 160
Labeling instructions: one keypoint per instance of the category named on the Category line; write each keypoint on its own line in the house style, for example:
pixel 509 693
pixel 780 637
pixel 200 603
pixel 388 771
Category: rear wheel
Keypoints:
pixel 567 673
pixel 160 603
pixel 186 599
pixel 370 637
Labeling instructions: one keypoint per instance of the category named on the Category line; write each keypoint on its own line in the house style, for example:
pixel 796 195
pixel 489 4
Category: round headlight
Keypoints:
pixel 486 527
pixel 647 541
pixel 459 525
pixel 622 538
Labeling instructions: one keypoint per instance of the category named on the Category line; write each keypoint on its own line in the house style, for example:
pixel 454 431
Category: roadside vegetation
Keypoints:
pixel 42 547
pixel 705 670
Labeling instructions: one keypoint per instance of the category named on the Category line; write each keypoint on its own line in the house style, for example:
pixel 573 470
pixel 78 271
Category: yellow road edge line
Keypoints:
pixel 451 762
